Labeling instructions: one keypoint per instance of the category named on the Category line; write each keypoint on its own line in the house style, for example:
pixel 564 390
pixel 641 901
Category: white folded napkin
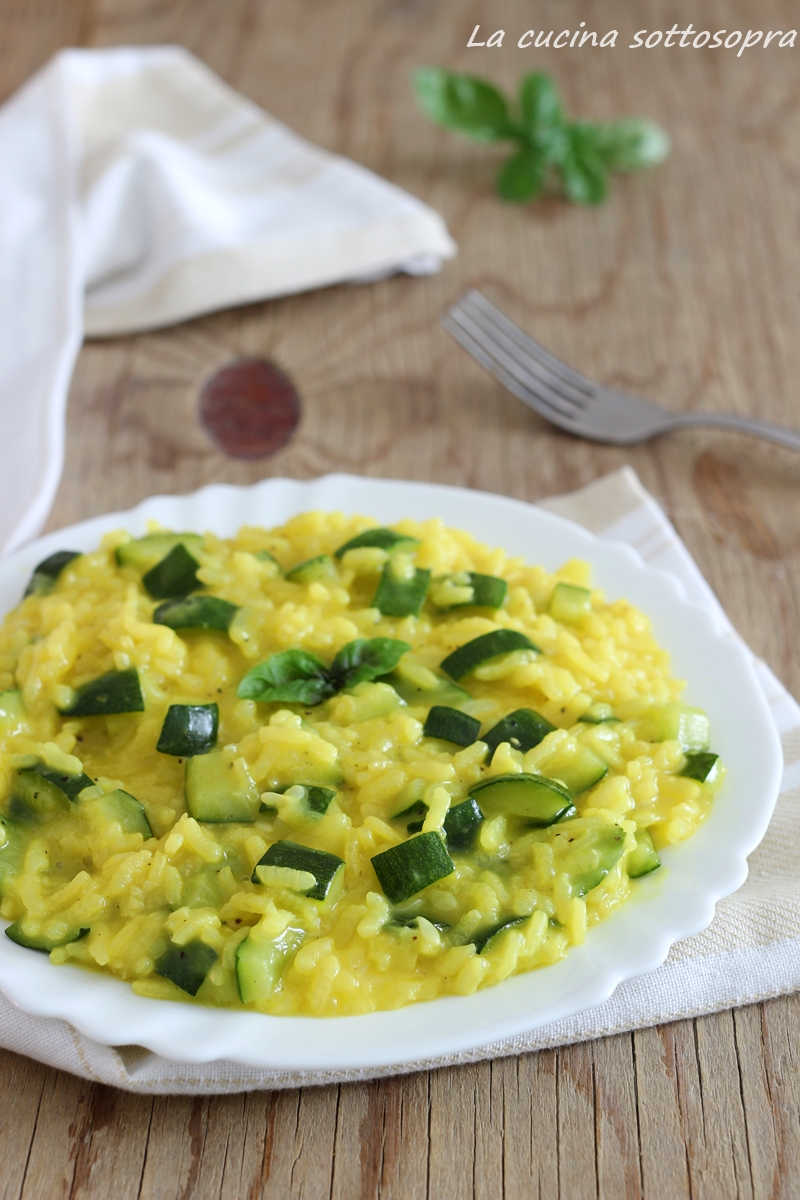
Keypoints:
pixel 750 952
pixel 136 190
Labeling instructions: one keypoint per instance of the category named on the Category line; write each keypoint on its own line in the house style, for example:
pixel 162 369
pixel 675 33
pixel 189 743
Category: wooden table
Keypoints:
pixel 684 288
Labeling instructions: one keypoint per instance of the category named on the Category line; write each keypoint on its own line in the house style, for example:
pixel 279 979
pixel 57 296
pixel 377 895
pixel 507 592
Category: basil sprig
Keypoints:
pixel 299 677
pixel 580 153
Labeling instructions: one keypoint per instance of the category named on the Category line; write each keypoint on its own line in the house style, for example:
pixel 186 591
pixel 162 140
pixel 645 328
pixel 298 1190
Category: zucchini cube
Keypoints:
pixel 701 765
pixel 326 869
pixel 396 597
pixel 570 604
pixel 175 575
pixel 406 869
pixel 451 725
pixel 523 729
pixel 380 538
pixel 461 825
pixel 45 573
pixel 196 612
pixel 483 649
pixel 188 730
pixel 114 692
pixel 186 966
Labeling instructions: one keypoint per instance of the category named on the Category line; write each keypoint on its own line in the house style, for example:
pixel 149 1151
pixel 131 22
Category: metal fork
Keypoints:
pixel 570 400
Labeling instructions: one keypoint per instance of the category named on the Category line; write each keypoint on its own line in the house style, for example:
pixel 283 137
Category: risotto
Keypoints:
pixel 332 767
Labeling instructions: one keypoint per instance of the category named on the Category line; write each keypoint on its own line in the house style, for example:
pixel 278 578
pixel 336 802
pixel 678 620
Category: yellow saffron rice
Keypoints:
pixel 191 882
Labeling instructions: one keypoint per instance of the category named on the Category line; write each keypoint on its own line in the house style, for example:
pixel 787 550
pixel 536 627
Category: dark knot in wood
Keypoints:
pixel 249 408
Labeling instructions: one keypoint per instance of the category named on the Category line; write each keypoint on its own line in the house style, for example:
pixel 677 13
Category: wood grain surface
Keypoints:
pixel 684 288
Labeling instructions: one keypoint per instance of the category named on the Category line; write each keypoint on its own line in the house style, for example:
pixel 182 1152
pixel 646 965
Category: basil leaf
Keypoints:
pixel 582 169
pixel 292 676
pixel 462 102
pixel 522 176
pixel 583 152
pixel 540 105
pixel 632 144
pixel 365 659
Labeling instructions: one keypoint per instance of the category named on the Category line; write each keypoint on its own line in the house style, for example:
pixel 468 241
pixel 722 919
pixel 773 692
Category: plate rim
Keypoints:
pixel 185 1032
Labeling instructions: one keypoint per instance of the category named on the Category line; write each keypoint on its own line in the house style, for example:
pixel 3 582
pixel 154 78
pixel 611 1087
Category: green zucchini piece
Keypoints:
pixel 186 966
pixel 125 810
pixel 327 869
pixel 413 688
pixel 266 556
pixel 320 569
pixel 645 858
pixel 13 843
pixel 196 612
pixel 39 791
pixel 540 801
pixel 12 710
pixel 260 964
pixel 114 692
pixel 484 939
pixel 144 552
pixel 398 597
pixel 189 730
pixel 599 714
pixel 379 538
pixel 34 798
pixel 488 591
pixel 451 725
pixel 417 809
pixel 315 803
pixel 44 575
pixel 593 854
pixel 523 729
pixel 701 765
pixel 175 575
pixel 317 799
pixel 219 789
pixel 578 769
pixel 202 890
pixel 677 722
pixel 461 825
pixel 416 812
pixel 71 784
pixel 39 941
pixel 406 869
pixel 570 604
pixel 484 648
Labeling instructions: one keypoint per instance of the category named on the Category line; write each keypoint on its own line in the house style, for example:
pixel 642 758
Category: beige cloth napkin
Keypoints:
pixel 750 952
pixel 136 190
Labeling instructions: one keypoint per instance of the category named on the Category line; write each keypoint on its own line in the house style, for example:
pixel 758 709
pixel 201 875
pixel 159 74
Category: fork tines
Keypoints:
pixel 528 370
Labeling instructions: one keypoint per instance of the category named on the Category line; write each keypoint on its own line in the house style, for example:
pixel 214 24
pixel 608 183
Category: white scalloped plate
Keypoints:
pixel 672 904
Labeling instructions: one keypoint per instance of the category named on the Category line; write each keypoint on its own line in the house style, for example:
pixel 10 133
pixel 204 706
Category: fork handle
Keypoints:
pixel 759 429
